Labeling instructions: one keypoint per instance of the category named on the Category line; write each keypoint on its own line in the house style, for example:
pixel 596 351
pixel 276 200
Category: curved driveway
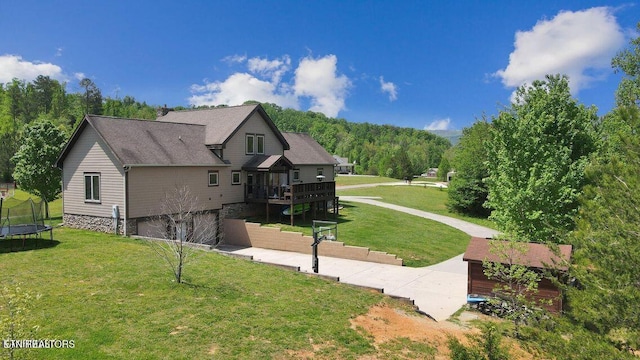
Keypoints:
pixel 438 290
pixel 464 226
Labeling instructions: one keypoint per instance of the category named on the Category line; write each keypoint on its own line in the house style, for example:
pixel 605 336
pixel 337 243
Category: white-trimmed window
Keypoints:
pixel 213 178
pixel 296 175
pixel 236 178
pixel 320 172
pixel 92 187
pixel 260 144
pixel 250 145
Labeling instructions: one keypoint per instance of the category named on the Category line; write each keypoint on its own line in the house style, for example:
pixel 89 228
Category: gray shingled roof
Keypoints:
pixel 536 255
pixel 221 123
pixel 147 142
pixel 304 150
pixel 266 162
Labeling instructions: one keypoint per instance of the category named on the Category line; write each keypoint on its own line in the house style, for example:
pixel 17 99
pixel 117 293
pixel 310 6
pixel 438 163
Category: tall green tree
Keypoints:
pixel 92 97
pixel 468 191
pixel 35 171
pixel 607 241
pixel 445 164
pixel 14 104
pixel 628 62
pixel 537 154
pixel 7 149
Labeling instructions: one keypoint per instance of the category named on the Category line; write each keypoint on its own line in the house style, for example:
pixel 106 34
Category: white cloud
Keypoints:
pixel 239 88
pixel 79 76
pixel 579 44
pixel 316 79
pixel 231 59
pixel 13 66
pixel 390 88
pixel 441 124
pixel 271 68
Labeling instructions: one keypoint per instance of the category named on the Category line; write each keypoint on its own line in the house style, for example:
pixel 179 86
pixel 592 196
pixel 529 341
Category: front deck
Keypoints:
pixel 319 195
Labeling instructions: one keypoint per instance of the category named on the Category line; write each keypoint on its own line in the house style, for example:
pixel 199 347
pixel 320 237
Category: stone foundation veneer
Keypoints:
pixel 96 223
pixel 237 211
pixel 105 224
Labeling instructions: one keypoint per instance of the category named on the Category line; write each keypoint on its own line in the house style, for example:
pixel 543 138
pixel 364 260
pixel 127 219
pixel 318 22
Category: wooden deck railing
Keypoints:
pixel 294 194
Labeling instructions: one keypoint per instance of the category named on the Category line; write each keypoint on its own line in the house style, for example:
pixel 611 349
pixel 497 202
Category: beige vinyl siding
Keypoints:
pixel 91 155
pixel 235 153
pixel 235 147
pixel 148 187
pixel 308 173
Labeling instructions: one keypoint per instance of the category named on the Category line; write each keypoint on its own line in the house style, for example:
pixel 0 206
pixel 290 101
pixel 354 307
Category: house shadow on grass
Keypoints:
pixel 28 244
pixel 284 220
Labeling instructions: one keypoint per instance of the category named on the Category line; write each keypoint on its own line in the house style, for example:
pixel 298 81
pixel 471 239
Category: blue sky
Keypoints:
pixel 421 64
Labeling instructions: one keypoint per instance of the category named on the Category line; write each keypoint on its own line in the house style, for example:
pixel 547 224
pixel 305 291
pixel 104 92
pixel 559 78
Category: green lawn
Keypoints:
pixel 419 242
pixel 116 300
pixel 342 180
pixel 417 197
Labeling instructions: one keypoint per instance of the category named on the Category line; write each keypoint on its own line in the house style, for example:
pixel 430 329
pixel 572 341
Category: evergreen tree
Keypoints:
pixel 607 242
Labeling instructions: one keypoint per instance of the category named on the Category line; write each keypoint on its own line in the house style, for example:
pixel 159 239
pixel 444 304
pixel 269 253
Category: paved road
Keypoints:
pixel 438 290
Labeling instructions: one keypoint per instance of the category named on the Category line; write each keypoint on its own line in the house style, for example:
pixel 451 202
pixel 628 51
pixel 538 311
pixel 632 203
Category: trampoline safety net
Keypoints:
pixel 21 219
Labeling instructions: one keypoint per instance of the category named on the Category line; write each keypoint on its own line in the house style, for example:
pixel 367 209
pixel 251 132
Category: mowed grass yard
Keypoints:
pixel 116 299
pixel 423 198
pixel 343 180
pixel 419 242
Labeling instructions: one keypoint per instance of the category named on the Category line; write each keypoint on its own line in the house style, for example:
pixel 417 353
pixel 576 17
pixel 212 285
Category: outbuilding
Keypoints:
pixel 538 257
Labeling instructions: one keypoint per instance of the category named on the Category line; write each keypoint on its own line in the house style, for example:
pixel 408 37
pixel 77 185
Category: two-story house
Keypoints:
pixel 233 159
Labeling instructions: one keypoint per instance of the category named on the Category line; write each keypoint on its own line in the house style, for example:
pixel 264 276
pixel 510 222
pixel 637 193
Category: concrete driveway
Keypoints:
pixel 438 290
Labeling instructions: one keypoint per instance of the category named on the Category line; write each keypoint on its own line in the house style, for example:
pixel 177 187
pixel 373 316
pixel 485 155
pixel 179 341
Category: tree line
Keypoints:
pixel 45 99
pixel 383 150
pixel 37 117
pixel 548 170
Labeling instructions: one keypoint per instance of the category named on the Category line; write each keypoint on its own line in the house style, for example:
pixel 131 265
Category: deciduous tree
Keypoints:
pixel 35 171
pixel 468 191
pixel 539 149
pixel 628 62
pixel 182 227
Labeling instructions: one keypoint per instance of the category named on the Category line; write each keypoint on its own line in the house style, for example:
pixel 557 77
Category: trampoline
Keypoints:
pixel 23 219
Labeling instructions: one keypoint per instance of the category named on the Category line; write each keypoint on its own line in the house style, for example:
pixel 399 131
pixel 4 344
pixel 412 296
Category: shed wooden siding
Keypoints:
pixel 148 187
pixel 479 284
pixel 90 154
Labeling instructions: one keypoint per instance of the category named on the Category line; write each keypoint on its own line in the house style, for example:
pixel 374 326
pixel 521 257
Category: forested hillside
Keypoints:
pixel 22 103
pixel 377 149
